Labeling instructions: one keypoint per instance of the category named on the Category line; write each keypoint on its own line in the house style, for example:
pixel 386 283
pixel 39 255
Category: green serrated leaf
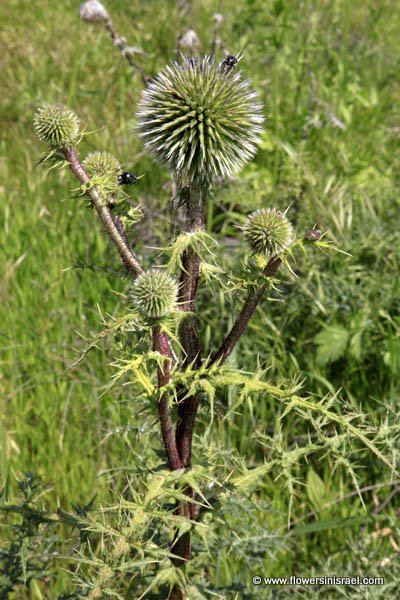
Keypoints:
pixel 154 488
pixel 332 344
pixel 252 477
pixel 315 489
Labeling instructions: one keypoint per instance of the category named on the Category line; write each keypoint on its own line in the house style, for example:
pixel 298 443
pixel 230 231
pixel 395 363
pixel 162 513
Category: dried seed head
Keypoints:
pixel 189 41
pixel 93 11
pixel 268 231
pixel 57 125
pixel 199 120
pixel 154 294
pixel 130 51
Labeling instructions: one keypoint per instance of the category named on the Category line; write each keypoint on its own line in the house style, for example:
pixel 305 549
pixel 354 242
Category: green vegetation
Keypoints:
pixel 327 75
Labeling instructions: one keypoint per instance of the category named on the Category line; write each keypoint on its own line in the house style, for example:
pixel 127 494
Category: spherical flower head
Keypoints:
pixel 103 169
pixel 93 11
pixel 268 231
pixel 57 125
pixel 101 164
pixel 154 294
pixel 199 120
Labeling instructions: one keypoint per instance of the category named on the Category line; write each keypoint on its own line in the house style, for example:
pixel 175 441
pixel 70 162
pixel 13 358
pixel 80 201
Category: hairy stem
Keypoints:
pixel 177 594
pixel 161 345
pixel 181 546
pixel 119 239
pixel 193 199
pixel 253 300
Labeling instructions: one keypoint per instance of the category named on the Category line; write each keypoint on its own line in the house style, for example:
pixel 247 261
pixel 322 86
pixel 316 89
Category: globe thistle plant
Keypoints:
pixel 154 294
pixel 268 231
pixel 202 121
pixel 199 120
pixel 57 125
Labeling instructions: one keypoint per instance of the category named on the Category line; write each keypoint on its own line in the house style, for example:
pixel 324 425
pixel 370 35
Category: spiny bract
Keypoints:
pixel 268 231
pixel 199 120
pixel 57 125
pixel 154 294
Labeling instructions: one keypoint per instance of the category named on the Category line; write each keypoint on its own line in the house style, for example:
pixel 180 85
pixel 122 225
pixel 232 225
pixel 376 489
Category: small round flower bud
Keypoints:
pixel 93 11
pixel 103 169
pixel 268 231
pixel 57 125
pixel 154 294
pixel 101 164
pixel 199 120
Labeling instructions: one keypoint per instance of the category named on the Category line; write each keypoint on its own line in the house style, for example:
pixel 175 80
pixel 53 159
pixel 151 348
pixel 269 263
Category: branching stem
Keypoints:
pixel 161 345
pixel 119 238
pixel 194 202
pixel 128 52
pixel 253 300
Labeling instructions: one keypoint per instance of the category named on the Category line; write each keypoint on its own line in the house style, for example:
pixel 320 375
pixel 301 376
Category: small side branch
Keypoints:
pixel 116 234
pixel 253 300
pixel 128 52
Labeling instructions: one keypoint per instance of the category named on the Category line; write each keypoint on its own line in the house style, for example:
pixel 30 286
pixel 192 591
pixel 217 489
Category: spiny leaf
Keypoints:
pixel 199 241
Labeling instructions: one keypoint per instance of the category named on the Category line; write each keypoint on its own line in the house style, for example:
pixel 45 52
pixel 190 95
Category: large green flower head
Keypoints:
pixel 200 119
pixel 154 294
pixel 268 231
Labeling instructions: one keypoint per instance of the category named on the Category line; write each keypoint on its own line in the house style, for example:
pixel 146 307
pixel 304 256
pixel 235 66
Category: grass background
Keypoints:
pixel 327 73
